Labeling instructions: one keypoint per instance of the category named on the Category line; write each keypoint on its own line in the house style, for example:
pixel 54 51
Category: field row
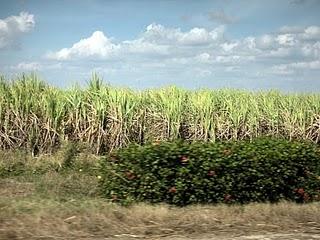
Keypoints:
pixel 39 117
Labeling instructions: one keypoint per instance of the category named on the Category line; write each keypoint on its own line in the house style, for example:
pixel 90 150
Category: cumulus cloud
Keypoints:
pixel 200 44
pixel 229 46
pixel 97 45
pixel 13 27
pixel 203 58
pixel 306 33
pixel 286 39
pixel 198 51
pixel 312 33
pixel 156 40
pixel 288 43
pixel 157 33
pixel 146 48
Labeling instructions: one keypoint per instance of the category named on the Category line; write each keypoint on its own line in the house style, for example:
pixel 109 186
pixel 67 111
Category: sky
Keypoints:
pixel 248 44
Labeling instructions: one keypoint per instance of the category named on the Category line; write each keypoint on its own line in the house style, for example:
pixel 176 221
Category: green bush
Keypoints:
pixel 184 173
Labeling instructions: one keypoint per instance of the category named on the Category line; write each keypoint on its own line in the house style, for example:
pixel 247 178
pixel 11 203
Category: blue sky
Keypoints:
pixel 142 44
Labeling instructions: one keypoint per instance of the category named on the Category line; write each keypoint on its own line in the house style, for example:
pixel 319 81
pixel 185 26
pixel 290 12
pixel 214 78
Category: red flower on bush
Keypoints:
pixel 130 175
pixel 227 197
pixel 300 191
pixel 114 198
pixel 172 190
pixel 157 142
pixel 184 160
pixel 113 157
pixel 227 152
pixel 306 197
pixel 212 173
pixel 302 194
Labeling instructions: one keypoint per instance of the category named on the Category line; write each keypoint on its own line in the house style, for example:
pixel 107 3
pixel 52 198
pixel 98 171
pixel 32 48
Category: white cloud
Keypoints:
pixel 204 73
pixel 314 65
pixel 98 45
pixel 11 28
pixel 199 44
pixel 233 59
pixel 280 52
pixel 291 68
pixel 311 50
pixel 228 47
pixel 312 33
pixel 266 42
pixel 197 52
pixel 232 68
pixel 28 66
pixel 35 66
pixel 288 43
pixel 197 36
pixel 281 70
pixel 203 58
pixel 306 33
pixel 156 33
pixel 291 29
pixel 145 48
pixel 156 40
pixel 286 39
pixel 249 42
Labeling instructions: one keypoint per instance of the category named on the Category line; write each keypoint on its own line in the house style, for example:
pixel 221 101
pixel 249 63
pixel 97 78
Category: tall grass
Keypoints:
pixel 39 117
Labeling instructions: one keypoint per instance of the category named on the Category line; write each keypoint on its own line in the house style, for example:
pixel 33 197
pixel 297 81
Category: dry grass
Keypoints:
pixel 27 213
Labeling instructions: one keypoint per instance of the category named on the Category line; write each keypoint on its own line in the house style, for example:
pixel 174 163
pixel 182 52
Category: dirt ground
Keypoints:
pixel 267 236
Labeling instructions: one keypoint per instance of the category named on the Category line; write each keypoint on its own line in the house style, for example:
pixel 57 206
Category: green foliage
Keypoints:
pixel 184 173
pixel 70 151
pixel 70 157
pixel 17 163
pixel 10 166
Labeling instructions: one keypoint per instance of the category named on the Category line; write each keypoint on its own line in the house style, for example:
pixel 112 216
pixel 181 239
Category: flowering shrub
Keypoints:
pixel 184 173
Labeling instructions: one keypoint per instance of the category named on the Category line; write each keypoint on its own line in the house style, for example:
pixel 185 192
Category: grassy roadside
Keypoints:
pixel 49 201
